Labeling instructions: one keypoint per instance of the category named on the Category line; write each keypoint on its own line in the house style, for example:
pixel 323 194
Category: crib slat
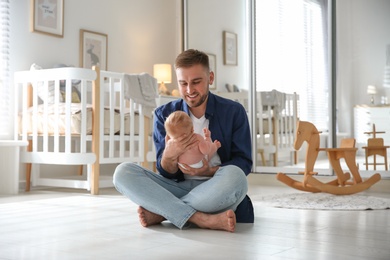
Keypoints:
pixel 84 118
pixel 112 118
pixel 142 133
pixel 45 118
pixel 102 119
pixel 68 100
pixel 96 104
pixel 122 105
pixel 26 91
pixel 56 117
pixel 132 115
pixel 35 115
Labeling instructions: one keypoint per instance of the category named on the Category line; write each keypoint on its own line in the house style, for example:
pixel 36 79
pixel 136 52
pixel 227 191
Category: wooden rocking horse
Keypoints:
pixel 306 131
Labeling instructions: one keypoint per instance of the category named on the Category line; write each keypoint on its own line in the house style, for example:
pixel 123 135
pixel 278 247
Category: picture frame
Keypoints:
pixel 213 67
pixel 230 51
pixel 93 49
pixel 48 17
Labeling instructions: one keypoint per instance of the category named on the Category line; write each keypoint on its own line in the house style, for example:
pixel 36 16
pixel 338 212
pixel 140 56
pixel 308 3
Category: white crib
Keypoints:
pixel 277 115
pixel 107 126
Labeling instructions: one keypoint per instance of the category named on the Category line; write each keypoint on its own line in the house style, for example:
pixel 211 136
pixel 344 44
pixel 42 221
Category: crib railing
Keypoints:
pixel 49 145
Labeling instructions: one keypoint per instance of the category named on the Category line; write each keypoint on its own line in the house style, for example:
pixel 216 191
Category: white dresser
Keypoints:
pixel 364 118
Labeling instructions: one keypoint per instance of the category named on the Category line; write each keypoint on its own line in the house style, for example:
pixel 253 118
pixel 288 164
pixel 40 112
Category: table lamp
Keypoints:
pixel 371 90
pixel 163 74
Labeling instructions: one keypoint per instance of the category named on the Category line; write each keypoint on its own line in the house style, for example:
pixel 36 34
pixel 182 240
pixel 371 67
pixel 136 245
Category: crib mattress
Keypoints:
pixel 75 120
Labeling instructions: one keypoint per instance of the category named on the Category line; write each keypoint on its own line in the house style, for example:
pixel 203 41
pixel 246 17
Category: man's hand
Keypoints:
pixel 175 148
pixel 205 171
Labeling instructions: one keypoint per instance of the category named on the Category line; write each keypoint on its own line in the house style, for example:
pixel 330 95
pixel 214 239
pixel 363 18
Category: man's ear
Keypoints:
pixel 211 78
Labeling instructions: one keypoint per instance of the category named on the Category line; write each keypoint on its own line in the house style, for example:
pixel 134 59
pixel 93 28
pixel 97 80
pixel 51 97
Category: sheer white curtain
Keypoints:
pixel 6 118
pixel 291 53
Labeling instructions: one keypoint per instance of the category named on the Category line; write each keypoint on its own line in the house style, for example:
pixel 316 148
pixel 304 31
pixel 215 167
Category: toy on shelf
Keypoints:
pixel 375 146
pixel 306 131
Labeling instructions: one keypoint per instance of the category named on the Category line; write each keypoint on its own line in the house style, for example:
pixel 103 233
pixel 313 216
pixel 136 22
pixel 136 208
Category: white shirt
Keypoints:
pixel 199 124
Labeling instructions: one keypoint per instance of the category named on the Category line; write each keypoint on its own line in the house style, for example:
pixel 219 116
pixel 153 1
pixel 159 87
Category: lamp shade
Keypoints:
pixel 163 73
pixel 371 90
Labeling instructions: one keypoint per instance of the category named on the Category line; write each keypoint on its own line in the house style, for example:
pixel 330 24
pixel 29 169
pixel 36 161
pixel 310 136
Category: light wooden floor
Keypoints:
pixel 69 224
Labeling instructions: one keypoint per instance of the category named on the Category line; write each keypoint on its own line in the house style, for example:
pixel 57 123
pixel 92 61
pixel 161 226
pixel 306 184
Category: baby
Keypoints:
pixel 179 123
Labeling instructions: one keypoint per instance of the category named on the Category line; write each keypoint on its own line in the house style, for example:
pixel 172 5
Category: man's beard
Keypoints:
pixel 203 99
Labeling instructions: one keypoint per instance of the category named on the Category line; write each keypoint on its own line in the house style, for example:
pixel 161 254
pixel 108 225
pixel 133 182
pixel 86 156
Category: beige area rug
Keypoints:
pixel 321 201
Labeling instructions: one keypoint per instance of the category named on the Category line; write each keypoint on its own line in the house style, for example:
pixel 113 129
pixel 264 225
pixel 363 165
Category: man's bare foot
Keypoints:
pixel 148 218
pixel 222 221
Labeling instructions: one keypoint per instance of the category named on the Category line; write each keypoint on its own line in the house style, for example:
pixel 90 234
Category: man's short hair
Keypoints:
pixel 191 57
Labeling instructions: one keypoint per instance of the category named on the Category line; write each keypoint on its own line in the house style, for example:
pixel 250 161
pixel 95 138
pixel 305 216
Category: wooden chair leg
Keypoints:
pixel 81 170
pixel 263 161
pixel 366 161
pixel 276 159
pixel 28 177
pixel 28 168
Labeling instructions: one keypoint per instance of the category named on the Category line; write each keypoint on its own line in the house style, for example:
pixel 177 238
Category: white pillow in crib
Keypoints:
pixel 41 89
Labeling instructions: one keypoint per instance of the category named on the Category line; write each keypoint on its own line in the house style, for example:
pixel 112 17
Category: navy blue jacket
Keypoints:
pixel 228 123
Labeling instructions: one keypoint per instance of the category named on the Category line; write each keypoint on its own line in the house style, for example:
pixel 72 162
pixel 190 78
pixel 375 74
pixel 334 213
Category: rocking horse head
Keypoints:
pixel 305 131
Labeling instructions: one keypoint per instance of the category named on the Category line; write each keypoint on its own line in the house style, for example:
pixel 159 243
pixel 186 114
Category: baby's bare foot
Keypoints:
pixel 222 221
pixel 148 218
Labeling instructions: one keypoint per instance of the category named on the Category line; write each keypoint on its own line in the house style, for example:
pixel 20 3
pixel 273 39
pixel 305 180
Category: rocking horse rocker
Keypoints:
pixel 306 131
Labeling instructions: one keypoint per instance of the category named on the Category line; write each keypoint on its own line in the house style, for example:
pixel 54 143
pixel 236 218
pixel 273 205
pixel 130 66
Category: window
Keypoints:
pixel 291 54
pixel 5 89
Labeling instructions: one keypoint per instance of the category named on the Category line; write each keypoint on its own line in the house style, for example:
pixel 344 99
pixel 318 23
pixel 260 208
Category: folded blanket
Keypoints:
pixel 148 88
pixel 273 98
pixel 142 88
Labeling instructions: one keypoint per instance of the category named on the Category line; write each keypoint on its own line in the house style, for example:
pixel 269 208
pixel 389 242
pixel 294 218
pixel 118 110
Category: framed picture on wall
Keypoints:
pixel 229 48
pixel 93 49
pixel 213 67
pixel 48 17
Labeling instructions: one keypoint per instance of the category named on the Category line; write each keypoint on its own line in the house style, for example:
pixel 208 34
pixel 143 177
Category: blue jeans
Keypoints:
pixel 178 201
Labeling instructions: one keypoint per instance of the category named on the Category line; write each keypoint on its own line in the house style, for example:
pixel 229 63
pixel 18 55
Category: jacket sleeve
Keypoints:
pixel 234 133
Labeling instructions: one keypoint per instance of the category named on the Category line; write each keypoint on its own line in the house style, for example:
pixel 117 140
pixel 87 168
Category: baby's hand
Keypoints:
pixel 217 143
pixel 206 132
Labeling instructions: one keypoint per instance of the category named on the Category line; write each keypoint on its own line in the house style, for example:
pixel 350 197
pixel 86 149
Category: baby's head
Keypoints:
pixel 178 123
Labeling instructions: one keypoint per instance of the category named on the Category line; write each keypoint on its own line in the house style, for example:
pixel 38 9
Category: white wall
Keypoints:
pixel 362 36
pixel 207 19
pixel 140 34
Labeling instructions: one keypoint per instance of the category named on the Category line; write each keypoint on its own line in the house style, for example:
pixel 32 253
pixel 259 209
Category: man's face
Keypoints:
pixel 194 84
